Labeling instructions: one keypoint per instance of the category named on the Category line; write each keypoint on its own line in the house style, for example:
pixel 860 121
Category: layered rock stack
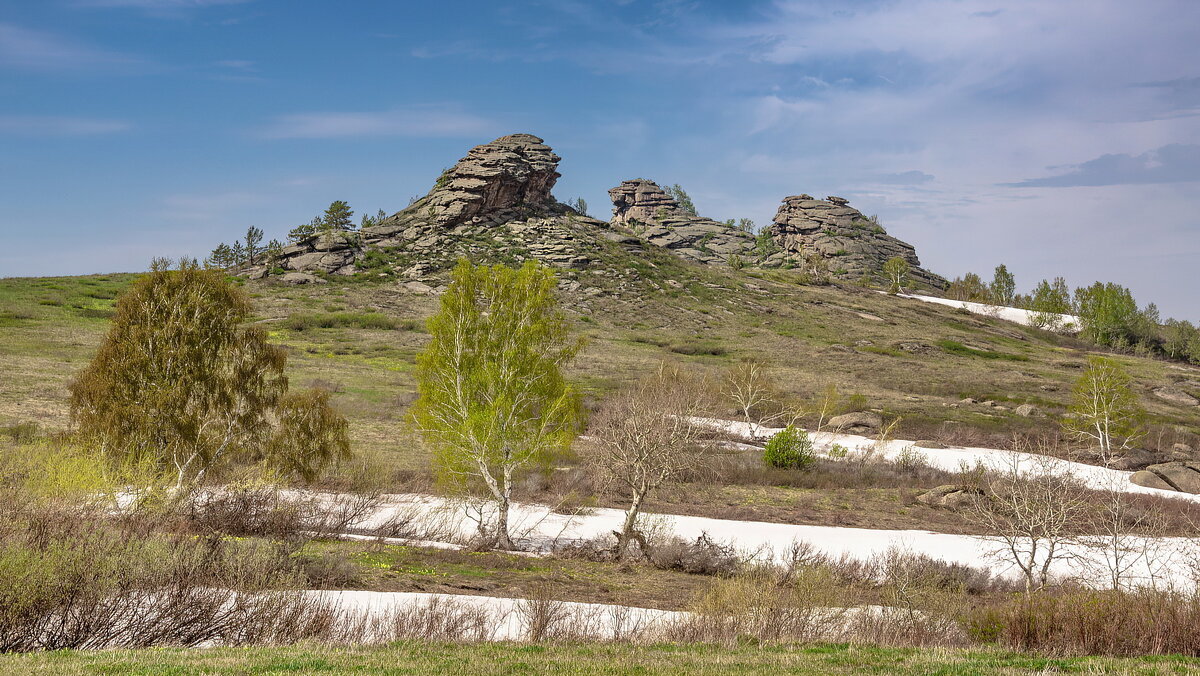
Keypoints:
pixel 646 209
pixel 853 244
pixel 493 204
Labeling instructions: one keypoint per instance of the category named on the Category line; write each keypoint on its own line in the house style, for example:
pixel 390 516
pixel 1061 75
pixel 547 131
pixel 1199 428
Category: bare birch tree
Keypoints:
pixel 1033 509
pixel 643 439
pixel 751 388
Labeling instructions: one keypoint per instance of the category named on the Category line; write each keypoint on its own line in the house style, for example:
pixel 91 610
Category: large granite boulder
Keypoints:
pixel 858 421
pixel 1171 476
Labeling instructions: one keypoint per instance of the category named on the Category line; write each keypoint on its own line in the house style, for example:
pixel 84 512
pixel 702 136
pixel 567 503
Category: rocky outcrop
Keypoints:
pixel 494 204
pixel 646 209
pixel 853 244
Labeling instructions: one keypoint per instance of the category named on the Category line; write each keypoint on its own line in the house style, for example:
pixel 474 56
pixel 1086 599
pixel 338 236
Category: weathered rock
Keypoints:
pixel 646 209
pixel 1150 480
pixel 858 421
pixel 1176 396
pixel 300 278
pixel 1027 410
pixel 1134 459
pixel 853 244
pixel 929 444
pixel 951 496
pixel 1178 476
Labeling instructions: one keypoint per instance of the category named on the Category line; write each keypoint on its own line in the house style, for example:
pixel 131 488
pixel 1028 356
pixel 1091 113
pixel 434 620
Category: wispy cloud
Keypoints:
pixel 1175 163
pixel 417 121
pixel 29 49
pixel 37 125
pixel 157 5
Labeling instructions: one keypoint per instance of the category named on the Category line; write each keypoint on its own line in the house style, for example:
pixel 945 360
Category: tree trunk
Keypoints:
pixel 629 528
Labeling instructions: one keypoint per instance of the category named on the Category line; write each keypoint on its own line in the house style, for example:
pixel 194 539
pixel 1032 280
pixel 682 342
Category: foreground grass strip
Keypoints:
pixel 585 658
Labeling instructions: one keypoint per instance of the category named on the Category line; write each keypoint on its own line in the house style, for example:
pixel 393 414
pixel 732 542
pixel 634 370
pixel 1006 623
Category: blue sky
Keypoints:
pixel 1060 138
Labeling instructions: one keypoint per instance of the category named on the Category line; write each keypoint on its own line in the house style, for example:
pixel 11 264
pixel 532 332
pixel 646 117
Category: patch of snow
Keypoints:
pixel 1065 323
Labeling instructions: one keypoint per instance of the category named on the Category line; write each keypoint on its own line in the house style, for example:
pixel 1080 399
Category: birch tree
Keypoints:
pixel 643 438
pixel 1033 509
pixel 1105 410
pixel 493 401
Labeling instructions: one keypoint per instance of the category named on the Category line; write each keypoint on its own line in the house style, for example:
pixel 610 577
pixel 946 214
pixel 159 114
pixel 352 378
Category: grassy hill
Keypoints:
pixel 914 361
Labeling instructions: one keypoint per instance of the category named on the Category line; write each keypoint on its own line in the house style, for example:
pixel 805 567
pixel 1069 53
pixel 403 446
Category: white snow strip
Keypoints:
pixel 508 618
pixel 953 459
pixel 1065 323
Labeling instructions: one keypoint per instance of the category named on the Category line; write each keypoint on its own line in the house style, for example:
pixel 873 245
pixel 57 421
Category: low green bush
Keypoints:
pixel 790 448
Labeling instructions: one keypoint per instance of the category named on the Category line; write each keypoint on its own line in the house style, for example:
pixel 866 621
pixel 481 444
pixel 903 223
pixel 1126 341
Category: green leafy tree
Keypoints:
pixel 969 287
pixel 1048 302
pixel 789 448
pixel 1003 287
pixel 1109 315
pixel 682 199
pixel 745 225
pixel 181 382
pixel 253 240
pixel 492 397
pixel 896 270
pixel 337 218
pixel 1105 410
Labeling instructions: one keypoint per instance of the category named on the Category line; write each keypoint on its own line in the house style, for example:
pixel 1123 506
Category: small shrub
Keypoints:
pixel 702 556
pixel 790 448
pixel 838 452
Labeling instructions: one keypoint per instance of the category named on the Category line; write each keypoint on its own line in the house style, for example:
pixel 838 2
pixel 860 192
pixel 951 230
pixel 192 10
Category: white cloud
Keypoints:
pixel 35 125
pixel 37 50
pixel 416 121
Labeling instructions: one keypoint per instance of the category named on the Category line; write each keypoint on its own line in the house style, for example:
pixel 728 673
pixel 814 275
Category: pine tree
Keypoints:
pixel 237 253
pixel 682 199
pixel 305 231
pixel 221 257
pixel 252 249
pixel 338 217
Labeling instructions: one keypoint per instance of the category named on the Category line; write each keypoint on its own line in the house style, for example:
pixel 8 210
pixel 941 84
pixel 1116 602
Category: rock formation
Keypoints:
pixel 853 244
pixel 495 205
pixel 1170 476
pixel 646 209
pixel 492 205
pixel 849 243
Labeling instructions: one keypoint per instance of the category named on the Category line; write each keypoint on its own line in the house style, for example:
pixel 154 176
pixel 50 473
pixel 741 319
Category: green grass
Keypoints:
pixel 955 347
pixel 341 320
pixel 576 658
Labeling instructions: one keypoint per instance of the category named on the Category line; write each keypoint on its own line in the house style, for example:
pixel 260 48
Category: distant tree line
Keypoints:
pixel 1108 314
pixel 336 221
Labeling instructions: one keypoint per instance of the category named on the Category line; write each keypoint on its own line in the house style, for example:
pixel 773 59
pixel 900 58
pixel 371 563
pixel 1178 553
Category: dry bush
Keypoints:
pixel 809 607
pixel 437 619
pixel 268 511
pixel 747 469
pixel 702 556
pixel 1116 623
pixel 71 580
